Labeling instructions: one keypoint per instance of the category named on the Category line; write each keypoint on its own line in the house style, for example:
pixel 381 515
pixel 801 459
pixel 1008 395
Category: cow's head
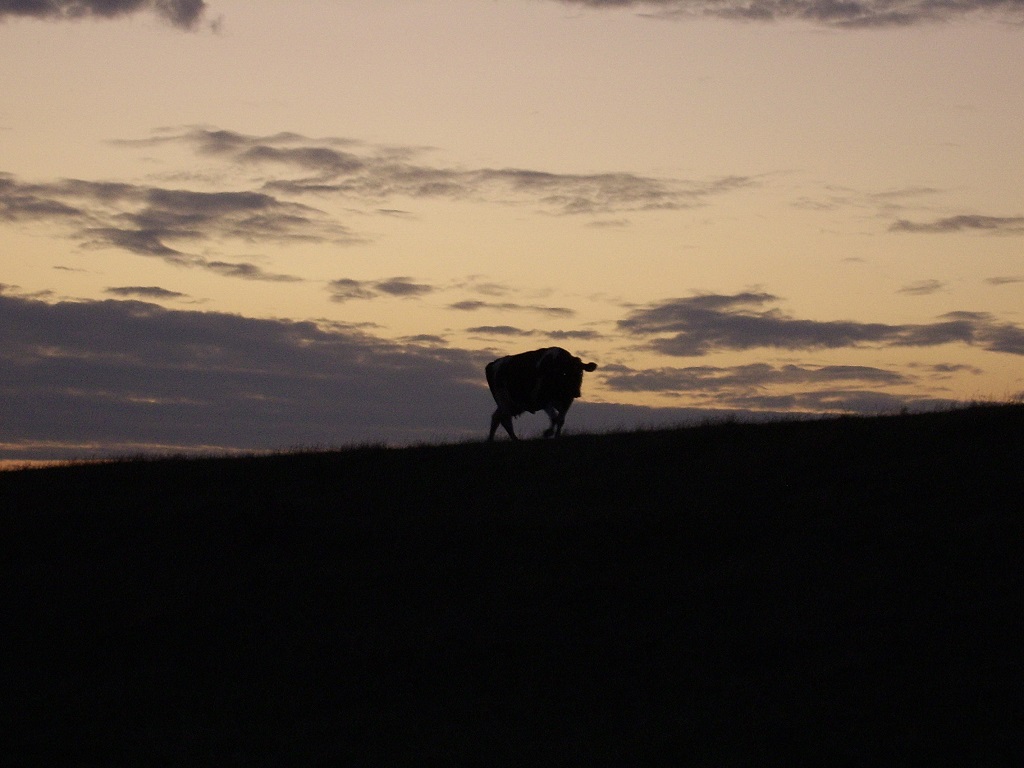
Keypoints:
pixel 567 373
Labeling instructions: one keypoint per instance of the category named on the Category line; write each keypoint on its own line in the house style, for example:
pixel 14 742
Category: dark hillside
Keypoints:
pixel 845 591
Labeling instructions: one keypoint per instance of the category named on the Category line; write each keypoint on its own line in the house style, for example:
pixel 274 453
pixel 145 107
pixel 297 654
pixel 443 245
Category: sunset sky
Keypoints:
pixel 236 225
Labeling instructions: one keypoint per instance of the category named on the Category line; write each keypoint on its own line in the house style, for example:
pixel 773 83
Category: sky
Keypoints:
pixel 229 225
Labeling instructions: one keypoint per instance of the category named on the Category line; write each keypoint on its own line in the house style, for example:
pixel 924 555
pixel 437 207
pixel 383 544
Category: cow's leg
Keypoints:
pixel 557 420
pixel 556 412
pixel 503 414
pixel 506 421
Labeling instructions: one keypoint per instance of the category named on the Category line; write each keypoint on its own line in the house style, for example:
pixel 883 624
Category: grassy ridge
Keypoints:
pixel 841 591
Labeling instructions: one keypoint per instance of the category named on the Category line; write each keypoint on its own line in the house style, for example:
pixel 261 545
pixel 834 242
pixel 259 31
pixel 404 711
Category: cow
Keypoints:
pixel 546 380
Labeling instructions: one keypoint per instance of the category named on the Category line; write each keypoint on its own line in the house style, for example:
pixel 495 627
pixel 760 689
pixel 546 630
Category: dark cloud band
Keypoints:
pixel 699 325
pixel 187 14
pixel 87 378
pixel 832 13
pixel 182 13
pixel 963 223
pixel 103 373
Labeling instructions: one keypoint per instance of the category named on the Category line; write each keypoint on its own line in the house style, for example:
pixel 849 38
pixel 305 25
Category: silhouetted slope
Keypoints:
pixel 842 591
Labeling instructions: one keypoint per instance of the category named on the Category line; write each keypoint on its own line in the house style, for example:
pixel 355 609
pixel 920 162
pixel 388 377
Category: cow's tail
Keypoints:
pixel 489 372
pixel 499 389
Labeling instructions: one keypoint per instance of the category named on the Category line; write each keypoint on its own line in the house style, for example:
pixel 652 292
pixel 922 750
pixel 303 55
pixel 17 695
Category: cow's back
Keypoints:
pixel 517 378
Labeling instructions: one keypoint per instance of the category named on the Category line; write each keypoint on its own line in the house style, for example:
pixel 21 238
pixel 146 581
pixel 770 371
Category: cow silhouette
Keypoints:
pixel 546 380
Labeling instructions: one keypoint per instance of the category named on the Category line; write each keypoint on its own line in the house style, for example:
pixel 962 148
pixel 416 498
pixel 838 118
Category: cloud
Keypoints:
pixel 185 14
pixel 403 286
pixel 85 378
pixel 480 284
pixel 885 203
pixel 785 388
pixel 573 335
pixel 425 338
pixel 161 222
pixel 499 330
pixel 840 401
pixel 350 169
pixel 998 224
pixel 347 289
pixel 741 378
pixel 511 330
pixel 144 291
pixel 922 288
pixel 1003 337
pixel 242 269
pixel 98 378
pixel 173 223
pixel 943 370
pixel 698 325
pixel 832 13
pixel 1005 280
pixel 129 373
pixel 474 305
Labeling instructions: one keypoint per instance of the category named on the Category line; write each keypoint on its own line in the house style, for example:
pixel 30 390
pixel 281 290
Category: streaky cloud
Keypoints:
pixel 778 389
pixel 430 339
pixel 347 168
pixel 144 291
pixel 701 324
pixel 852 14
pixel 499 330
pixel 999 224
pixel 1005 337
pixel 403 287
pixel 347 289
pixel 741 378
pixel 156 221
pixel 945 369
pixel 185 14
pixel 511 330
pixel 142 242
pixel 840 401
pixel 243 270
pixel 574 335
pixel 165 222
pixel 922 288
pixel 474 305
pixel 330 162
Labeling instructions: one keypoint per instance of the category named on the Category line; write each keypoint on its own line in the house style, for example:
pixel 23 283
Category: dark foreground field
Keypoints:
pixel 839 592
